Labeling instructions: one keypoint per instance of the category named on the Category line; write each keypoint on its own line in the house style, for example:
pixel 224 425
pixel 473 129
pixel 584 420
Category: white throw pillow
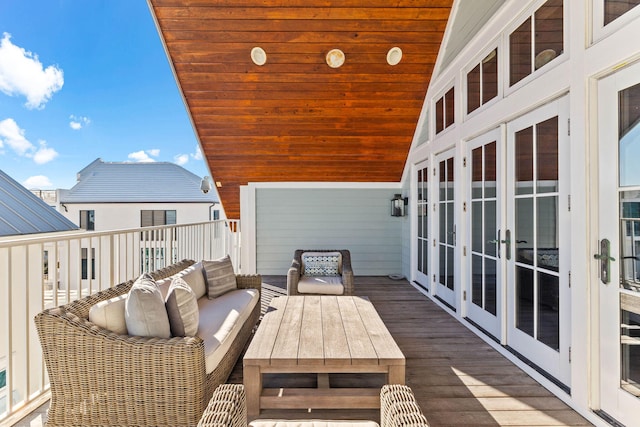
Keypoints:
pixel 220 276
pixel 182 309
pixel 109 314
pixel 145 313
pixel 194 276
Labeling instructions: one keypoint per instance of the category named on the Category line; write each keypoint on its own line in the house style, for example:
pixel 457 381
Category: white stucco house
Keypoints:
pixel 121 195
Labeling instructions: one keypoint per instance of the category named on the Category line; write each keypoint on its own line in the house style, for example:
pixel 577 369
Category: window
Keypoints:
pixel 537 41
pixel 482 82
pixel 85 264
pixel 613 9
pixel 88 220
pixel 149 218
pixel 445 111
pixel 3 379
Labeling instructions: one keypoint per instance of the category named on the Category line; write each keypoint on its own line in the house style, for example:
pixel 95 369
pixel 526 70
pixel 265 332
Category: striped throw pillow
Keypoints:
pixel 220 276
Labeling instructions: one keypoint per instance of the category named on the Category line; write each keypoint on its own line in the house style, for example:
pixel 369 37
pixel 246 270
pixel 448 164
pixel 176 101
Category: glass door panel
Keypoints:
pixel 538 325
pixel 445 289
pixel 619 248
pixel 422 215
pixel 484 307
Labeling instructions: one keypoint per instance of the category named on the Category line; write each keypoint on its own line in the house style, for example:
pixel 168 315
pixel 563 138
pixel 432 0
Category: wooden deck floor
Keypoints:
pixel 458 379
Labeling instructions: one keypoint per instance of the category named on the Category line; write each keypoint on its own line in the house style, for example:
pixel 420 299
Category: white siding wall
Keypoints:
pixel 321 218
pixel 116 216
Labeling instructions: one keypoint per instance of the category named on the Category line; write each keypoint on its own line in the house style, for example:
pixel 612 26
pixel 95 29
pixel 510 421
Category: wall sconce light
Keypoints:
pixel 399 205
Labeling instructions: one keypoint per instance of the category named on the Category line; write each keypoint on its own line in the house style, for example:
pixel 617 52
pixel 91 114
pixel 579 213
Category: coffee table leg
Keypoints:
pixel 396 374
pixel 253 389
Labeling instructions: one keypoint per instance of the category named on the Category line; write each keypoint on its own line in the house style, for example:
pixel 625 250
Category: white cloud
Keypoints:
pixel 13 136
pixel 181 159
pixel 140 157
pixel 198 154
pixel 37 182
pixel 78 122
pixel 155 152
pixel 22 73
pixel 44 154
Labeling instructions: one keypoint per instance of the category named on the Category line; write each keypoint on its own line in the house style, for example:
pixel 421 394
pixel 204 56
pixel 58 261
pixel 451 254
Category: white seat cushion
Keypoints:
pixel 312 423
pixel 221 319
pixel 326 285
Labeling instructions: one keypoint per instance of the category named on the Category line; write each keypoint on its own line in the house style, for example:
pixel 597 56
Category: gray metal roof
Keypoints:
pixel 22 212
pixel 121 182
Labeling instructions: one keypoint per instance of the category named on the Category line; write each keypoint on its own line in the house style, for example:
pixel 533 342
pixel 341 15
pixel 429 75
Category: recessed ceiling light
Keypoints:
pixel 394 56
pixel 258 56
pixel 335 58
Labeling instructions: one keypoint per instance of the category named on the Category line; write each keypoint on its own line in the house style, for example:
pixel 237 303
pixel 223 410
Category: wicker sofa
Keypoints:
pixel 297 276
pixel 228 408
pixel 100 377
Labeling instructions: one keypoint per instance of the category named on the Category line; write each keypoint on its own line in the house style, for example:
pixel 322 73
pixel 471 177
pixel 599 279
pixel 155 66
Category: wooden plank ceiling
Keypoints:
pixel 295 118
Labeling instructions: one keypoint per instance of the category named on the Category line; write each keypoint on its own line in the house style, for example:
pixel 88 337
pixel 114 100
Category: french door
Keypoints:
pixel 618 249
pixel 446 228
pixel 536 242
pixel 484 305
pixel 422 215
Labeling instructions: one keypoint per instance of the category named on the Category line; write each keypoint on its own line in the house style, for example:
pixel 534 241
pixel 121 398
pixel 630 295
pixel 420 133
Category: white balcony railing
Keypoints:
pixel 48 270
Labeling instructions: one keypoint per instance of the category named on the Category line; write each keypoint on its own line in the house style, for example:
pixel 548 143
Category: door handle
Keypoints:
pixel 605 261
pixel 506 241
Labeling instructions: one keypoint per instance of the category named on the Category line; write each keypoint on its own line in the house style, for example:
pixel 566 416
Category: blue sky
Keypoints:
pixel 86 79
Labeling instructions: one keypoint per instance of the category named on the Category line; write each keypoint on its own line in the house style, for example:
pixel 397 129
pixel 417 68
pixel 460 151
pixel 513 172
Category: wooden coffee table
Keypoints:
pixel 320 334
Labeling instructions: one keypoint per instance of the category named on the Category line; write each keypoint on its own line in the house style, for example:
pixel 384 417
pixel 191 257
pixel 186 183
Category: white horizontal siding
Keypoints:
pixel 321 218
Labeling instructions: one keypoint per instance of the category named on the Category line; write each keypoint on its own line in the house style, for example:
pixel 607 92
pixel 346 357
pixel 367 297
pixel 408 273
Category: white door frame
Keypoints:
pixel 449 296
pixel 420 277
pixel 555 363
pixel 613 400
pixel 493 324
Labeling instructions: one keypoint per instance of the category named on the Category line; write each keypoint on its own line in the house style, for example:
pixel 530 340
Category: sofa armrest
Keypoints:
pixel 398 407
pixel 94 371
pixel 249 281
pixel 294 273
pixel 227 407
pixel 347 273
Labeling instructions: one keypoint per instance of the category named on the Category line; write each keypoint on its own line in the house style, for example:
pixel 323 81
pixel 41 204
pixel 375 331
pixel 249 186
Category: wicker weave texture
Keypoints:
pixel 293 275
pixel 98 377
pixel 228 408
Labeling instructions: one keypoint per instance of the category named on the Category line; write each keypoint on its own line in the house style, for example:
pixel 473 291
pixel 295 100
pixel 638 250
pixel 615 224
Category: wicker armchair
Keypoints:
pixel 228 408
pixel 99 377
pixel 295 271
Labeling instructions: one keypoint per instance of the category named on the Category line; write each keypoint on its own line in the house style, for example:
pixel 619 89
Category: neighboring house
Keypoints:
pixel 123 195
pixel 22 212
pixel 115 196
